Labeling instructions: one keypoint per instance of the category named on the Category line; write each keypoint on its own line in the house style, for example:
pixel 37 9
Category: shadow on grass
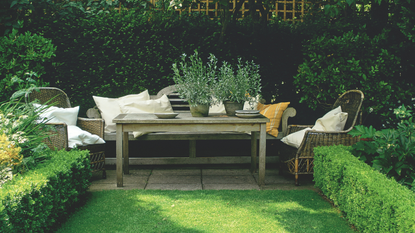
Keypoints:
pixel 206 211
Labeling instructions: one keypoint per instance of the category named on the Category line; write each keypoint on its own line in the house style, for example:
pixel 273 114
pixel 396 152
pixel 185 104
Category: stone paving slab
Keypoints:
pixel 174 179
pixel 226 172
pixel 183 187
pixel 176 172
pixel 230 186
pixel 228 180
pixel 101 187
pixel 198 178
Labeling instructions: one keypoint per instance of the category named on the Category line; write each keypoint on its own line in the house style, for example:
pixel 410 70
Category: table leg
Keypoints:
pixel 254 151
pixel 119 152
pixel 262 154
pixel 125 153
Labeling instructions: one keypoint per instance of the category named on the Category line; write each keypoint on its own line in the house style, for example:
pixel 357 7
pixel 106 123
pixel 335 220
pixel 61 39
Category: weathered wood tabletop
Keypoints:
pixel 184 122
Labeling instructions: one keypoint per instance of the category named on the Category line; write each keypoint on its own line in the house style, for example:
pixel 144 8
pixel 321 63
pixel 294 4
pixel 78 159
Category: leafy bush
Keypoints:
pixel 41 198
pixel 118 54
pixel 369 200
pixel 353 60
pixel 22 55
pixel 390 151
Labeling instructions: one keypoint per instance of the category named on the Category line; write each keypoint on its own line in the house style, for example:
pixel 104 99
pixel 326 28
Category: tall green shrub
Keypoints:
pixel 22 54
pixel 117 54
pixel 335 64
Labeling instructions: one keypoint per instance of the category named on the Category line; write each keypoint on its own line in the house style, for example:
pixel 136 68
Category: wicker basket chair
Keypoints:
pixel 59 137
pixel 300 161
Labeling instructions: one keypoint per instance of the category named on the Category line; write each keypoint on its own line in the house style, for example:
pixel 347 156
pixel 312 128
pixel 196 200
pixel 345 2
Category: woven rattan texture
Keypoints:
pixel 59 134
pixel 300 161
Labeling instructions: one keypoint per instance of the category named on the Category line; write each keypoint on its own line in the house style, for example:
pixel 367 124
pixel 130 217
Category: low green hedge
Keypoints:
pixel 370 201
pixel 39 199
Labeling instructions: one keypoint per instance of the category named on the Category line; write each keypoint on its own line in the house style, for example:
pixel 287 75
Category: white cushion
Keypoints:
pixel 295 139
pixel 58 115
pixel 217 108
pixel 332 121
pixel 78 137
pixel 110 108
pixel 161 105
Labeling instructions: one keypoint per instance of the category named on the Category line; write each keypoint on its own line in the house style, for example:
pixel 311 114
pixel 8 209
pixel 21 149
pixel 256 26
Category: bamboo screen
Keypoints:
pixel 290 10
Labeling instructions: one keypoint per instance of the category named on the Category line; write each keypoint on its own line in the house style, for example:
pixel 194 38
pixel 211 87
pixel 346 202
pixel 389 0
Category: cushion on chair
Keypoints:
pixel 161 105
pixel 274 113
pixel 69 116
pixel 295 139
pixel 331 121
pixel 110 108
pixel 58 115
pixel 78 137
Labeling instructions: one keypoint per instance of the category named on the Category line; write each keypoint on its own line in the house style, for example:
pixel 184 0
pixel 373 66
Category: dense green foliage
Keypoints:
pixel 22 61
pixel 41 198
pixel 354 53
pixel 390 151
pixel 116 54
pixel 370 201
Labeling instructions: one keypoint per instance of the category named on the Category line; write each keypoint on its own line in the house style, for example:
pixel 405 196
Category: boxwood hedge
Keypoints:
pixel 39 199
pixel 370 201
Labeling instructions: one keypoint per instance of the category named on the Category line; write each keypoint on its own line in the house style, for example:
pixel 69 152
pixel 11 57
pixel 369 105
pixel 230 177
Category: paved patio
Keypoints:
pixel 205 177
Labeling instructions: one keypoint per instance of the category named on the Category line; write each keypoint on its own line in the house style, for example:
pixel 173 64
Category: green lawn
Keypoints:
pixel 206 211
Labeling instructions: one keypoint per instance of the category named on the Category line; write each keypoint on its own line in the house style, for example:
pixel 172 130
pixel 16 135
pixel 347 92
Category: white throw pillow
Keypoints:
pixel 161 105
pixel 58 115
pixel 110 108
pixel 295 139
pixel 78 137
pixel 332 121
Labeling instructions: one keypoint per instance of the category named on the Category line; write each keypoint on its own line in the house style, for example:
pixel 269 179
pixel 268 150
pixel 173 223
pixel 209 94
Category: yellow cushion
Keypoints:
pixel 274 113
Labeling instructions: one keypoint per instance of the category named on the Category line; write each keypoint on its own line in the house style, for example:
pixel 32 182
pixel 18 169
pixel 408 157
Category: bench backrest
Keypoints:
pixel 178 104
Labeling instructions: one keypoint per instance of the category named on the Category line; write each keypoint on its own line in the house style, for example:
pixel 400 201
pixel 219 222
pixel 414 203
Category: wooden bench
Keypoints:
pixel 181 105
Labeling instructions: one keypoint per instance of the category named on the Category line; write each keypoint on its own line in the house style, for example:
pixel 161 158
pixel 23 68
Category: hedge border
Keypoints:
pixel 39 199
pixel 370 201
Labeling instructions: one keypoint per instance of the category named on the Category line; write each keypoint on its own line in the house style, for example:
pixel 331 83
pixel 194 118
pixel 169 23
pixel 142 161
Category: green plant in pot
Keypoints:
pixel 234 88
pixel 194 81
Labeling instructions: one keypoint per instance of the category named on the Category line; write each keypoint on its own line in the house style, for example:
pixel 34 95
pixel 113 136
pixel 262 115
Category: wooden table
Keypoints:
pixel 184 122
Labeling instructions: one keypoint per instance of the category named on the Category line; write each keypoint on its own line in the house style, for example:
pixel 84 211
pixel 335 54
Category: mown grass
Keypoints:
pixel 206 211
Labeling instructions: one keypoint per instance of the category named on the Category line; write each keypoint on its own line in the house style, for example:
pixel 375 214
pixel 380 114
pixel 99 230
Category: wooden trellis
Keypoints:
pixel 287 10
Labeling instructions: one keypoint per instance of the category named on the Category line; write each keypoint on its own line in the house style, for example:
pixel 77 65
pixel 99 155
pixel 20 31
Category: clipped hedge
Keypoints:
pixel 40 198
pixel 370 201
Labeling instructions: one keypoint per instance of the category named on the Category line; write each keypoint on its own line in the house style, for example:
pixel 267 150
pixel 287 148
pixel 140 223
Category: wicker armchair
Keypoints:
pixel 59 137
pixel 300 161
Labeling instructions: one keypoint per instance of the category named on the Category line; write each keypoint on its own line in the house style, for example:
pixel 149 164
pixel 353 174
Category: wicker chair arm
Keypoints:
pixel 295 128
pixel 314 138
pixel 58 136
pixel 94 126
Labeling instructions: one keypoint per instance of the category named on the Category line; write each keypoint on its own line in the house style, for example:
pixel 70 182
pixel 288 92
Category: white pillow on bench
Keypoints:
pixel 110 108
pixel 161 105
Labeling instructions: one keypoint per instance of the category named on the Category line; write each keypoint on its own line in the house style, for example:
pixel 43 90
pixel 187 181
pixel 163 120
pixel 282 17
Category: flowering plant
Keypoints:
pixel 21 136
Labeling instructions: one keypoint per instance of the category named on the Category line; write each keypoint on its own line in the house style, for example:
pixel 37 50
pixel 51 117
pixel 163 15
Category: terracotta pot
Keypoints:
pixel 200 110
pixel 231 107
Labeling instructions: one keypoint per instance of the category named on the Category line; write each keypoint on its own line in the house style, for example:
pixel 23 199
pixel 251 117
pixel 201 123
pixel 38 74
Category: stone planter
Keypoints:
pixel 200 110
pixel 231 107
